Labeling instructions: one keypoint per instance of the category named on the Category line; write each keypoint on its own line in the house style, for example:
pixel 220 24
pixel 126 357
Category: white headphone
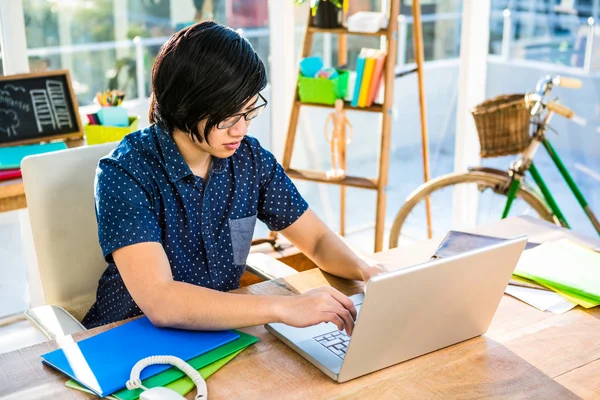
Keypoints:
pixel 161 393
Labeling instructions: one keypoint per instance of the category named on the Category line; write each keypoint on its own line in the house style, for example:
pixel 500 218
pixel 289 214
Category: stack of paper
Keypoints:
pixel 568 269
pixel 543 300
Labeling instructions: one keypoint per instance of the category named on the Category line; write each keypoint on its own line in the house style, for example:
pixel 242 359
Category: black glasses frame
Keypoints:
pixel 244 114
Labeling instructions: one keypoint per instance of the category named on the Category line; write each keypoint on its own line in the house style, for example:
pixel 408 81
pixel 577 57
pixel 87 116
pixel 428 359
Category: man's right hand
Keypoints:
pixel 324 304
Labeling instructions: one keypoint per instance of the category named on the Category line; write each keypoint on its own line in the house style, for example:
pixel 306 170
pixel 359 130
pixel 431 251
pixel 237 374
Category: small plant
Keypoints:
pixel 314 4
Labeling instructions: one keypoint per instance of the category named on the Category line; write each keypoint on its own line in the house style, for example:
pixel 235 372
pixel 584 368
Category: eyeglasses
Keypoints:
pixel 248 115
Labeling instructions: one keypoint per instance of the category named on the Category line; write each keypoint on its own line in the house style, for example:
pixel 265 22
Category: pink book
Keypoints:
pixel 10 174
pixel 377 79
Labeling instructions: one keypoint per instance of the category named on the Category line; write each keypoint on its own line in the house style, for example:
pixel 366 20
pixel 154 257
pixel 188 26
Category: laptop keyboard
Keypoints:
pixel 336 342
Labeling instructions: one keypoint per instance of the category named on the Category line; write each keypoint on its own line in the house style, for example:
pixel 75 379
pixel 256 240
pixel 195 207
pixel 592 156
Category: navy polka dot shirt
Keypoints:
pixel 145 192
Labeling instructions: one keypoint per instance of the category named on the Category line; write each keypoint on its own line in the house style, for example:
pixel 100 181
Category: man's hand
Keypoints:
pixel 324 304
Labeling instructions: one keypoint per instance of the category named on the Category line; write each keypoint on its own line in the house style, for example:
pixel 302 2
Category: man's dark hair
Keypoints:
pixel 205 71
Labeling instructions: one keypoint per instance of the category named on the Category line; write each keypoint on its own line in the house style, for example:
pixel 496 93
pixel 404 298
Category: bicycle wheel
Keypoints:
pixel 411 224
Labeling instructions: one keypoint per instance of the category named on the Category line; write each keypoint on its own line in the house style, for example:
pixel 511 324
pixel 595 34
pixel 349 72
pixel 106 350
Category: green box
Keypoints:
pixel 323 91
pixel 97 134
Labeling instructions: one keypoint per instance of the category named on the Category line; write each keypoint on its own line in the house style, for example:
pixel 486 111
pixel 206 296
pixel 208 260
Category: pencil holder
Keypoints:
pixel 97 134
pixel 113 116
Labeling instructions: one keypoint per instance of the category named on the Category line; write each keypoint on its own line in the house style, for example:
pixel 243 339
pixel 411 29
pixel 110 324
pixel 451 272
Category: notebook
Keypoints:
pixel 457 242
pixel 11 156
pixel 103 362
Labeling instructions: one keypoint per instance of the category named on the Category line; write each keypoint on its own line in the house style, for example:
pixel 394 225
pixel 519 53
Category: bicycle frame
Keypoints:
pixel 528 165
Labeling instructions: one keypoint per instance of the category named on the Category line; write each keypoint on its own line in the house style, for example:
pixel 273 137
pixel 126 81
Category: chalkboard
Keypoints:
pixel 38 107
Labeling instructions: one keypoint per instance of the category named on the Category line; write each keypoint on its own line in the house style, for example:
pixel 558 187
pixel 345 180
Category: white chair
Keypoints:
pixel 59 188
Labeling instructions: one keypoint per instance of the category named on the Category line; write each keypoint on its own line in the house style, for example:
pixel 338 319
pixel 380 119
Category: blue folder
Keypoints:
pixel 11 156
pixel 103 362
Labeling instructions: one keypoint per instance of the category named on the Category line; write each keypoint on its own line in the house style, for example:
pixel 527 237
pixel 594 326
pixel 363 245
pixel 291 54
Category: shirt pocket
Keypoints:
pixel 241 231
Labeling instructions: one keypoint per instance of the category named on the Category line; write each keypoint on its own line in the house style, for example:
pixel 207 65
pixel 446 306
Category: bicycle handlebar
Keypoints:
pixel 560 109
pixel 570 83
pixel 545 84
pixel 539 100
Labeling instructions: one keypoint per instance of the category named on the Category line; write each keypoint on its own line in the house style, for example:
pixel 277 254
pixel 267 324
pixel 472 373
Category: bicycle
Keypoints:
pixel 508 119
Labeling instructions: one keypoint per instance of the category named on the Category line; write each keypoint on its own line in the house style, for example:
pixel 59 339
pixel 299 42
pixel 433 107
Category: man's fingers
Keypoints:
pixel 342 299
pixel 347 318
pixel 334 318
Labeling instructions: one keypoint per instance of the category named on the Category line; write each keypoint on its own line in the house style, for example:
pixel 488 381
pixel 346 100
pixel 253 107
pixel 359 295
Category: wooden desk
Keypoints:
pixel 526 353
pixel 12 195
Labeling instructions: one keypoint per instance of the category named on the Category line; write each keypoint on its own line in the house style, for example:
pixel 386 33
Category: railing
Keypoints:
pixel 510 18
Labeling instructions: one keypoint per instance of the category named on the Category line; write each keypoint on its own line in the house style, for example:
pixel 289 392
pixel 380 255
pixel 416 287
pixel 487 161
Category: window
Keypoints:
pixel 549 38
pixel 94 39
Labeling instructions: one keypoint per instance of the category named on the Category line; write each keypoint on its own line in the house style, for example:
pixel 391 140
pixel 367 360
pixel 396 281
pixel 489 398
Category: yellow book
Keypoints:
pixel 367 77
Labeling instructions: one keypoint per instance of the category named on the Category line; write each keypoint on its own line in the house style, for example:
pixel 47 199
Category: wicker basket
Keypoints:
pixel 503 125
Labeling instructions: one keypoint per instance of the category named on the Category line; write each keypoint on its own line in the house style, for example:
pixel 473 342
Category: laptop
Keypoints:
pixel 410 312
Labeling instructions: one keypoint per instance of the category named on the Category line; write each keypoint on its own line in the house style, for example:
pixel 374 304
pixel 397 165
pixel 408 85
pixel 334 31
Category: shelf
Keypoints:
pixel 317 176
pixel 347 106
pixel 345 31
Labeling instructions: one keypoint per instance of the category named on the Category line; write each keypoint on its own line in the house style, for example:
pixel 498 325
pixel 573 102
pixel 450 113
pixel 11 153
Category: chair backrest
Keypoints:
pixel 59 188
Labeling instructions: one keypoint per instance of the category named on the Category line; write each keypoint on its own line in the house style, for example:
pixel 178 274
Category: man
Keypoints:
pixel 177 202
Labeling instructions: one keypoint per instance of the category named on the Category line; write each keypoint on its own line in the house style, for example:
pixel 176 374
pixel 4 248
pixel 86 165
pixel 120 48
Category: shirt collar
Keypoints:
pixel 176 166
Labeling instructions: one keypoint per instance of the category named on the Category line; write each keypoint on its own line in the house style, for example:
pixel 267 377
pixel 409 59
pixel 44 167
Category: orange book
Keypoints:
pixel 377 79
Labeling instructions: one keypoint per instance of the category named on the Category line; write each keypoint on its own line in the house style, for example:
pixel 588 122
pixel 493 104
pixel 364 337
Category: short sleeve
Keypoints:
pixel 124 210
pixel 280 203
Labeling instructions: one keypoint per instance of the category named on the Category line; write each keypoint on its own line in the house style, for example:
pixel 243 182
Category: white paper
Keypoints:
pixel 541 299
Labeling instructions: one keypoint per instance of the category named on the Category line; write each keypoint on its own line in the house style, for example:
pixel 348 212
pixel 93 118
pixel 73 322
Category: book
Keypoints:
pixel 11 156
pixel 360 67
pixel 377 80
pixel 367 76
pixel 102 363
pixel 10 174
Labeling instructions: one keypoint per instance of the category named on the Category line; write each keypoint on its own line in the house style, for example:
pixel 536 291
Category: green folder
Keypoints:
pixel 182 385
pixel 207 363
pixel 565 266
pixel 11 156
